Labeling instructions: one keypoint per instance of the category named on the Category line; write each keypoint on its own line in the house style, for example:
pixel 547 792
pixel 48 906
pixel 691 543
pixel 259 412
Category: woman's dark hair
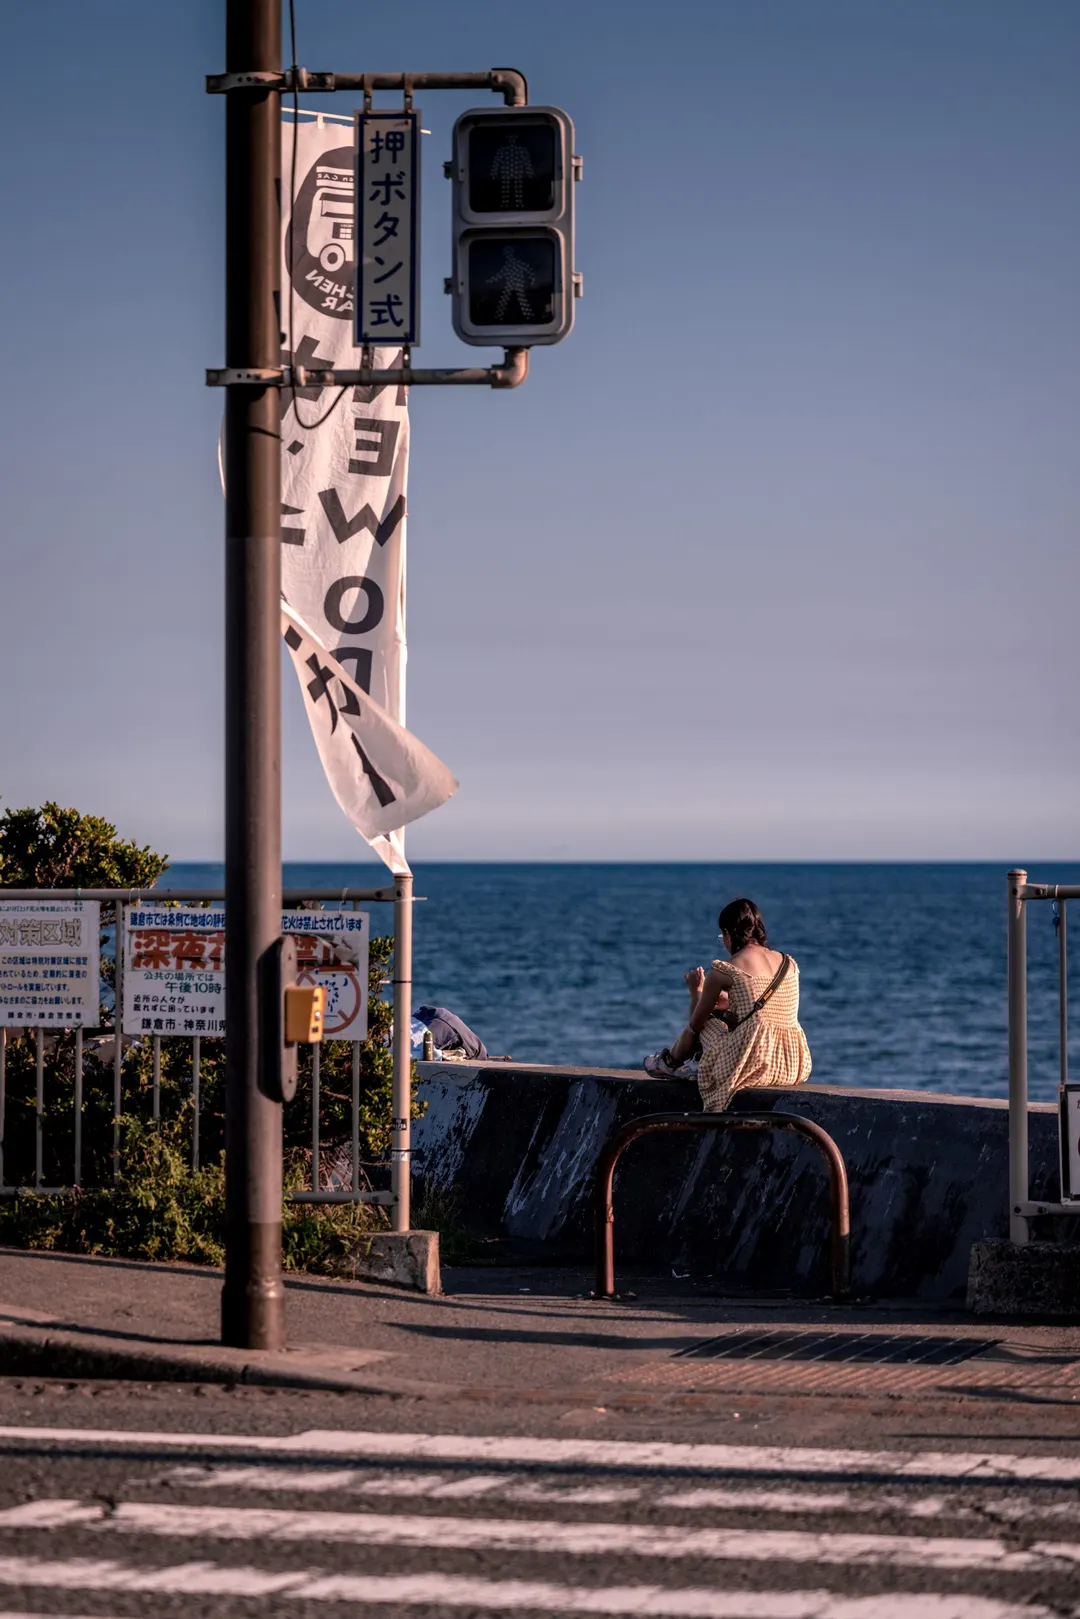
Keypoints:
pixel 741 921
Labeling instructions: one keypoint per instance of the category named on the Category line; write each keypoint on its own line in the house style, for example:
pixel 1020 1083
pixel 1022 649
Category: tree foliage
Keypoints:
pixel 52 847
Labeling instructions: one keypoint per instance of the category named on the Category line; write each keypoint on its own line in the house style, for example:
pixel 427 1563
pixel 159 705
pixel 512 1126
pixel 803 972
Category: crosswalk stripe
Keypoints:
pixel 429 1486
pixel 550 1537
pixel 976 1466
pixel 501 1596
pixel 559 1491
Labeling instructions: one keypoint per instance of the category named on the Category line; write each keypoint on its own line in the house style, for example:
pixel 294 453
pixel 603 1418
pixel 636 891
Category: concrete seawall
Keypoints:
pixel 517 1146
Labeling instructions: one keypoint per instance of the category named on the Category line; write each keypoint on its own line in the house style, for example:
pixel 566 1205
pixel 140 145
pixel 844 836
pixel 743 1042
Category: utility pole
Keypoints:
pixel 535 305
pixel 253 1299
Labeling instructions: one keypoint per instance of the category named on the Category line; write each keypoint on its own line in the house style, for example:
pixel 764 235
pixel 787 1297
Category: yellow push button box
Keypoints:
pixel 305 1008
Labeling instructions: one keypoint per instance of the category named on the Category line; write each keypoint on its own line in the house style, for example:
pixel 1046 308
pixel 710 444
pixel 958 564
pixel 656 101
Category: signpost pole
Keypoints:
pixel 253 1299
pixel 401 1123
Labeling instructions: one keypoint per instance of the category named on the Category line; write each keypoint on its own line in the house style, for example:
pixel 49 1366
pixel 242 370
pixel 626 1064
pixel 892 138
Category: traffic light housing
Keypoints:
pixel 513 279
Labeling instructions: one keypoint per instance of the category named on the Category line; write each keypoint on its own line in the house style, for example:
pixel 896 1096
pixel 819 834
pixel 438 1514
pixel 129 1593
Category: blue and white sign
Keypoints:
pixel 387 227
pixel 49 963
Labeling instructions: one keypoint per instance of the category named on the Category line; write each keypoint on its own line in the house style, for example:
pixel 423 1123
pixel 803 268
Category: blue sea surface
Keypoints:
pixel 902 966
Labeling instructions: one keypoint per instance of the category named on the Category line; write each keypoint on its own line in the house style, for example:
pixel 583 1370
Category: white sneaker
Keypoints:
pixel 658 1066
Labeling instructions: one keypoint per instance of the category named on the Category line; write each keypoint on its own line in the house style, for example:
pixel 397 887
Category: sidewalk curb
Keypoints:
pixel 67 1356
pixel 42 1352
pixel 46 1352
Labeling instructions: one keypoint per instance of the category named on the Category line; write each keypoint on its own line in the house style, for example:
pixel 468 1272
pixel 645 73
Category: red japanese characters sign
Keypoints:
pixel 174 969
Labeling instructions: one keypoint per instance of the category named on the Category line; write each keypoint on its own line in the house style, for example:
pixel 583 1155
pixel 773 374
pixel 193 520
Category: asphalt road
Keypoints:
pixel 127 1499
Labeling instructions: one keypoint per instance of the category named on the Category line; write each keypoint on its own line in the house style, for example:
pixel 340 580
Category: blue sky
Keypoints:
pixel 774 557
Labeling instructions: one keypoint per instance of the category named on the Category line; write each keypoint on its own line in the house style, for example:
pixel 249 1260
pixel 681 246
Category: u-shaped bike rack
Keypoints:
pixel 650 1123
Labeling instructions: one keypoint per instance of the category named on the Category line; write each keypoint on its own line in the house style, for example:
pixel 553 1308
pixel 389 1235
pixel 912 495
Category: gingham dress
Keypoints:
pixel 768 1049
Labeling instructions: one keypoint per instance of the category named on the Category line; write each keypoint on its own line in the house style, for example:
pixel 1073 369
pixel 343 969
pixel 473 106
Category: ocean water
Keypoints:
pixel 902 966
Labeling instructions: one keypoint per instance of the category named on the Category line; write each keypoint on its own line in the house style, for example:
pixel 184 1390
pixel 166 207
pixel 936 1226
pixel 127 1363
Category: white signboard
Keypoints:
pixel 49 963
pixel 388 227
pixel 332 947
pixel 174 969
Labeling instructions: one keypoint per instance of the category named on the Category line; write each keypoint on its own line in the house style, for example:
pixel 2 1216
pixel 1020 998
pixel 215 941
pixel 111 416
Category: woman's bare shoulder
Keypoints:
pixel 756 961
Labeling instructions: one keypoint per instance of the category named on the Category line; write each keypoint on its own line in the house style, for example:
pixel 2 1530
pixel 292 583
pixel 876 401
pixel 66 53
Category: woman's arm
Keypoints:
pixel 695 983
pixel 713 985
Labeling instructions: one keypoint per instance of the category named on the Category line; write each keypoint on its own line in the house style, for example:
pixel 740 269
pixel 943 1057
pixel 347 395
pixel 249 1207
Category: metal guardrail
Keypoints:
pixel 656 1123
pixel 1021 1208
pixel 396 1199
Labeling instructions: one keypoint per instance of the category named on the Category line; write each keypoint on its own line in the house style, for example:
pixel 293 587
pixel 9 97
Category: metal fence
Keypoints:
pixel 1021 1209
pixel 396 1198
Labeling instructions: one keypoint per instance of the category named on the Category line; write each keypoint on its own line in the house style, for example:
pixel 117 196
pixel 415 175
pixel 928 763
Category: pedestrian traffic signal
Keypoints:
pixel 513 278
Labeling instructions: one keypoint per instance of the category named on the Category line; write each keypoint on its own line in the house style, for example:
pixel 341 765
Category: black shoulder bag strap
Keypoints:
pixel 767 994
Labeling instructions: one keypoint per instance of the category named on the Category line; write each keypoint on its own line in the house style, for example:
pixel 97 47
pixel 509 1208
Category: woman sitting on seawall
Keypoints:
pixel 744 1016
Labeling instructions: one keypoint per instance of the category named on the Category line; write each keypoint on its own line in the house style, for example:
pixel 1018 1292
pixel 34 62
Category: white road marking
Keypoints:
pixel 362 1481
pixel 500 1596
pixel 463 1489
pixel 976 1466
pixel 752 1500
pixel 307 1480
pixel 549 1537
pixel 592 1495
pixel 551 1487
pixel 881 1502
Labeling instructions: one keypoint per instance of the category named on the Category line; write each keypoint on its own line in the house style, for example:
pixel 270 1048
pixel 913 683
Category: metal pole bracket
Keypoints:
pixel 511 374
pixel 504 81
pixel 267 376
pixel 218 84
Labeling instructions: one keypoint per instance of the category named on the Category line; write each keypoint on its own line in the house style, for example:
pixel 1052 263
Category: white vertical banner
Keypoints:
pixel 344 457
pixel 382 777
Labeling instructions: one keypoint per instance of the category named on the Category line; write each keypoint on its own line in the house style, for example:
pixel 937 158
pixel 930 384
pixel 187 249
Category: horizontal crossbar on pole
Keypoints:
pixel 505 81
pixel 1048 891
pixel 511 374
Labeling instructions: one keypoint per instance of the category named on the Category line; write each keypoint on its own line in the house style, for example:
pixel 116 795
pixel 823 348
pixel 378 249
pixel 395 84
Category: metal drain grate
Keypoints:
pixel 877 1348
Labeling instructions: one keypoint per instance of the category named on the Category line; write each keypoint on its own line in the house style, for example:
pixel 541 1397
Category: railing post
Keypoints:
pixel 316 1106
pixel 604 1216
pixel 118 1028
pixel 356 1116
pixel 3 1098
pixel 401 1121
pixel 196 1097
pixel 1018 1057
pixel 1063 992
pixel 39 1104
pixel 78 1119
